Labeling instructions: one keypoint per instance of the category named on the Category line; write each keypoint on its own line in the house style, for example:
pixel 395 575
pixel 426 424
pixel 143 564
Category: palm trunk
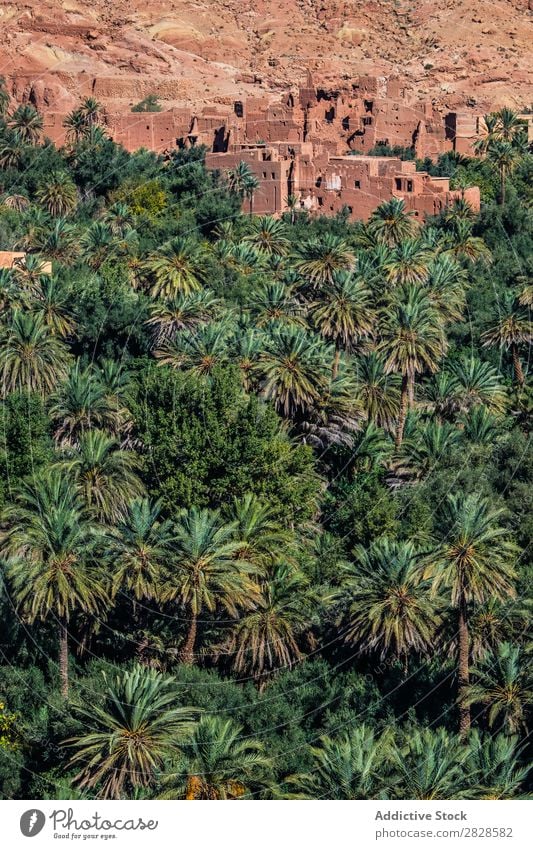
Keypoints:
pixel 187 653
pixel 335 366
pixel 402 414
pixel 411 391
pixel 517 365
pixel 463 668
pixel 63 658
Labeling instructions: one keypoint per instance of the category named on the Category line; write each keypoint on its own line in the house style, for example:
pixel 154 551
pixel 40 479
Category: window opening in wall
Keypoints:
pixel 398 182
pixel 320 201
pixel 409 185
pixel 367 122
pixel 357 184
pixel 273 175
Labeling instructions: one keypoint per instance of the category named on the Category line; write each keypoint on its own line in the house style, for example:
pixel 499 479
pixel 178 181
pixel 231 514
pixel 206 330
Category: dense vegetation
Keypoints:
pixel 264 483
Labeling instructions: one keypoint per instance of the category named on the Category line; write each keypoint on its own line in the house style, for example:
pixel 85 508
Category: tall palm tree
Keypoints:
pixel 27 124
pixel 59 242
pixel 243 182
pixel 104 475
pixel 388 609
pixel 461 244
pixel 58 194
pixel 131 735
pixel 4 98
pixel 343 314
pixel 318 259
pixel 183 312
pixel 390 223
pixel 50 299
pixel 75 125
pixel 412 342
pixel 446 284
pixel 48 541
pixel 265 641
pixel 377 391
pixel 268 235
pixel 138 548
pixel 294 370
pixel 408 263
pixel 177 267
pixel 276 302
pixel 82 402
pixel 92 111
pixel 31 358
pixel 12 152
pixel 476 382
pixel 206 574
pixel 473 559
pixel 512 330
pixel 503 683
pixel 197 354
pixel 504 156
pixel 219 762
pixel 261 537
pixel 355 765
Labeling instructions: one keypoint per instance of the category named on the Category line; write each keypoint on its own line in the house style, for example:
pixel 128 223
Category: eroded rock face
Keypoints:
pixel 54 51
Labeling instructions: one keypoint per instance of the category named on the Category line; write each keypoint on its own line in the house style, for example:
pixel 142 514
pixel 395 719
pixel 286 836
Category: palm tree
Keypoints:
pixel 390 223
pixel 412 342
pixel 75 125
pixel 104 475
pixel 503 683
pixel 504 156
pixel 48 541
pixel 27 124
pixel 119 218
pixel 199 353
pixel 265 641
pixel 388 608
pixel 276 302
pixel 81 403
pixel 98 244
pixel 138 548
pixel 183 312
pixel 132 734
pixel 488 134
pixel 58 194
pixel 4 98
pixel 473 560
pixel 50 299
pixel 512 330
pixel 206 574
pixel 446 282
pixel 92 111
pixel 497 765
pixel 377 391
pixel 292 203
pixel 261 537
pixel 431 765
pixel 460 243
pixel 31 358
pixel 178 267
pixel 318 259
pixel 343 314
pixel 355 765
pixel 423 450
pixel 268 235
pixel 243 182
pixel 11 152
pixel 476 382
pixel 219 762
pixel 60 242
pixel 408 263
pixel 294 370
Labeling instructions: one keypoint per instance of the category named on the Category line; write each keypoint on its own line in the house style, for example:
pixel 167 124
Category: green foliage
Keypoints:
pixel 148 104
pixel 265 483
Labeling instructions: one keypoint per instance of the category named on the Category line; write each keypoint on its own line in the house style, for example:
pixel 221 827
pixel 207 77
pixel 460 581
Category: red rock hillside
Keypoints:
pixel 454 51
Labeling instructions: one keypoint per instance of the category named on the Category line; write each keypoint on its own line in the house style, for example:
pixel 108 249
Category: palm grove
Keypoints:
pixel 264 483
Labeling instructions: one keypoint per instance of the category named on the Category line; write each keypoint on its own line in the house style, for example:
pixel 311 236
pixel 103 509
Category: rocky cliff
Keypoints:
pixel 455 52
